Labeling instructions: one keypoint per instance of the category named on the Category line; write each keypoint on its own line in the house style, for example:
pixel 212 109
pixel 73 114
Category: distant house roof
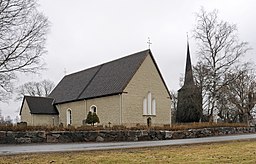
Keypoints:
pixel 40 105
pixel 102 80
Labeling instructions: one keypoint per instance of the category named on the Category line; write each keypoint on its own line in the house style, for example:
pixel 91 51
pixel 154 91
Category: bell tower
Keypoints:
pixel 189 107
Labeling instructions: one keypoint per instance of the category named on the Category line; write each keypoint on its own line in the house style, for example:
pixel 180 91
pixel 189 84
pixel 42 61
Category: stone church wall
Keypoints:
pixel 25 114
pixel 38 119
pixel 78 112
pixel 108 110
pixel 146 79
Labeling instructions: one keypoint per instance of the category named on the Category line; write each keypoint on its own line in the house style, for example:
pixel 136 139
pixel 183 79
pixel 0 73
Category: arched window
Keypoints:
pixel 145 107
pixel 149 103
pixel 154 107
pixel 93 109
pixel 69 117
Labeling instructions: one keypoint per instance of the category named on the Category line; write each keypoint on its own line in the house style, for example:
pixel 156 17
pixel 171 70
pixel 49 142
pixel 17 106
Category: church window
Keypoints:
pixel 149 105
pixel 69 117
pixel 145 107
pixel 154 107
pixel 93 109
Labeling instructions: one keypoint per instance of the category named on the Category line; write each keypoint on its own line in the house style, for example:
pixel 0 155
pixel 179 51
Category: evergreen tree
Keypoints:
pixel 95 119
pixel 89 118
pixel 92 118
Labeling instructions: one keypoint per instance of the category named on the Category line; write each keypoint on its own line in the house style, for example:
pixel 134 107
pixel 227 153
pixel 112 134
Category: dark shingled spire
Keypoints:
pixel 188 71
pixel 189 106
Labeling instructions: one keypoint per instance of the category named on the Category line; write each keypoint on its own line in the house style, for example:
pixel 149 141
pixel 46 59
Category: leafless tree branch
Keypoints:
pixel 41 89
pixel 23 32
pixel 219 52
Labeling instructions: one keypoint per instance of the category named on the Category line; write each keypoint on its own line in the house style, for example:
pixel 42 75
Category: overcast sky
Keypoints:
pixel 85 33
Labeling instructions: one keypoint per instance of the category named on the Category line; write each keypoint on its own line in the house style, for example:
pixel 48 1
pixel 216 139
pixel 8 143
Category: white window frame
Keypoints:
pixel 92 110
pixel 154 106
pixel 145 107
pixel 69 116
pixel 149 105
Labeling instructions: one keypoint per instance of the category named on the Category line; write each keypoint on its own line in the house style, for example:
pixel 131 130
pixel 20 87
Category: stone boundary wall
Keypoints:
pixel 10 137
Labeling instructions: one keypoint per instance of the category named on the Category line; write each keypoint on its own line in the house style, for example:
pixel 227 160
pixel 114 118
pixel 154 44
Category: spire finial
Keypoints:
pixel 65 71
pixel 187 38
pixel 149 43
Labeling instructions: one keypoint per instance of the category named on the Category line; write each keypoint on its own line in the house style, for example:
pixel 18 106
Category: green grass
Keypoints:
pixel 230 152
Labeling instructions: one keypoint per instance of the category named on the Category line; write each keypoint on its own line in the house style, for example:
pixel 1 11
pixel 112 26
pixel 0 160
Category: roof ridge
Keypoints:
pixel 82 70
pixel 38 97
pixel 104 63
pixel 100 66
pixel 126 56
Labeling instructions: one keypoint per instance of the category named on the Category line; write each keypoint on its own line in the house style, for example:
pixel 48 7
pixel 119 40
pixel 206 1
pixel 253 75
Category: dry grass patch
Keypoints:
pixel 231 152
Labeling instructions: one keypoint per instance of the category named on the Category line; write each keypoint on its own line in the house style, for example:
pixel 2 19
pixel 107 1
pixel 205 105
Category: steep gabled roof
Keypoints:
pixel 102 80
pixel 40 105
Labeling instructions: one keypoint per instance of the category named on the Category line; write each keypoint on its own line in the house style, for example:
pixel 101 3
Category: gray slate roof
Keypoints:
pixel 102 80
pixel 40 105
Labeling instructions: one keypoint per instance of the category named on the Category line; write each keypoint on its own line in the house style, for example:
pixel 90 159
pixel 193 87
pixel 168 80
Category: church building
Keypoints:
pixel 189 106
pixel 128 91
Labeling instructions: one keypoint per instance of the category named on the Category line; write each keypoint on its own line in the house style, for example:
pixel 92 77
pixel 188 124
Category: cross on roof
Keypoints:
pixel 65 71
pixel 149 43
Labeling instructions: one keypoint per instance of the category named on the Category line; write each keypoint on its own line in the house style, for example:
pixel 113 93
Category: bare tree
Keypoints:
pixel 174 97
pixel 219 51
pixel 42 89
pixel 1 117
pixel 242 92
pixel 226 110
pixel 23 32
pixel 200 75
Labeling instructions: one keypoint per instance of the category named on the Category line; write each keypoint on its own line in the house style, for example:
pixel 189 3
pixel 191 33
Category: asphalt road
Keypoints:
pixel 38 148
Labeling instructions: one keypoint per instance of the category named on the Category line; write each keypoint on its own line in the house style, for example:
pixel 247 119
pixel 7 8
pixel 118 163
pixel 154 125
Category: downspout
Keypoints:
pixel 121 109
pixel 32 119
pixel 59 110
pixel 85 108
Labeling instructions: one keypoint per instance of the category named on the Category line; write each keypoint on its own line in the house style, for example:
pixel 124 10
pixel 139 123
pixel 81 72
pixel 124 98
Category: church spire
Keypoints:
pixel 188 71
pixel 189 105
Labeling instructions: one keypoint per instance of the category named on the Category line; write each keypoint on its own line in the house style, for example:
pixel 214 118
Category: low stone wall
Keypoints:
pixel 9 137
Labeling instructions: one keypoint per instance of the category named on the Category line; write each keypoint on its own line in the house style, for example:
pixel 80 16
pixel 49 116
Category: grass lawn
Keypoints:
pixel 230 152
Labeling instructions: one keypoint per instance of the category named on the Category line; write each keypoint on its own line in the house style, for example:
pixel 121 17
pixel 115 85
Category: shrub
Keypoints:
pixel 92 118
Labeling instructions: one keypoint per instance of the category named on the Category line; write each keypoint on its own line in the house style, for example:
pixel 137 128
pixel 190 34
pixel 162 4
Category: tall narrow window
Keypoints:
pixel 145 107
pixel 69 117
pixel 93 109
pixel 154 107
pixel 149 104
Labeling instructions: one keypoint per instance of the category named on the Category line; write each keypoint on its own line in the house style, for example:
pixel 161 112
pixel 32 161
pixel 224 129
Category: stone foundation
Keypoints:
pixel 10 137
